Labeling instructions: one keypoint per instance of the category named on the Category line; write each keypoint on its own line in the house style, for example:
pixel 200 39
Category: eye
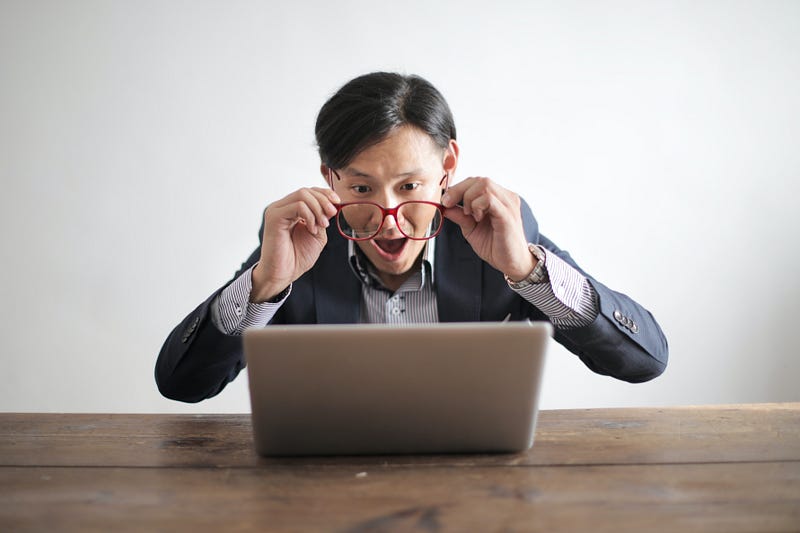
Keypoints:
pixel 409 186
pixel 360 189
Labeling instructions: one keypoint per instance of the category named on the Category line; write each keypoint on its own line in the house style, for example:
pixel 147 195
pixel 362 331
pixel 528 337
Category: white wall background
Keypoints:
pixel 139 142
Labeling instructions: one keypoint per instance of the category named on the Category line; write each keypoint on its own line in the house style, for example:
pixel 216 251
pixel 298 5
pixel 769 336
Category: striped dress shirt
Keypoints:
pixel 566 296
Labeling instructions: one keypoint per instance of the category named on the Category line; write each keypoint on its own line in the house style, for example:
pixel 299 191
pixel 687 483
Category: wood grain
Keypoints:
pixel 715 497
pixel 719 468
pixel 765 432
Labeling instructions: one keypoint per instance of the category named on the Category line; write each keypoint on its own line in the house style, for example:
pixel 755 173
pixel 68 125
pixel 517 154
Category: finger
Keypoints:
pixel 485 197
pixel 465 222
pixel 479 204
pixel 454 195
pixel 327 199
pixel 463 195
pixel 290 215
pixel 328 195
pixel 477 197
pixel 304 215
pixel 320 205
pixel 323 196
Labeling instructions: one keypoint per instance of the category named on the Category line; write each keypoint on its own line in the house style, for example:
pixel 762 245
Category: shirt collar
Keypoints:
pixel 364 271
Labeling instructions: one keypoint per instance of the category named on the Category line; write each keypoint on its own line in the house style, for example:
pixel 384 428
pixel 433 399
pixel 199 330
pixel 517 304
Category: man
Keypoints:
pixel 393 238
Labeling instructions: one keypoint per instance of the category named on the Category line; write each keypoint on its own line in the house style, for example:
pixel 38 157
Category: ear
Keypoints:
pixel 450 161
pixel 327 175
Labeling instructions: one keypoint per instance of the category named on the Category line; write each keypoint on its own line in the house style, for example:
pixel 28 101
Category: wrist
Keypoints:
pixel 523 271
pixel 536 274
pixel 525 264
pixel 266 290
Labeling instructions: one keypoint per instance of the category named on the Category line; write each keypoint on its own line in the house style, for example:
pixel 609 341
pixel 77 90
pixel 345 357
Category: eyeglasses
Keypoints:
pixel 416 219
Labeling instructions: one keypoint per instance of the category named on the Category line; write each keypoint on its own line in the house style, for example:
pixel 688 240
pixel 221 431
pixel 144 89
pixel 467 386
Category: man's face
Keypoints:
pixel 406 165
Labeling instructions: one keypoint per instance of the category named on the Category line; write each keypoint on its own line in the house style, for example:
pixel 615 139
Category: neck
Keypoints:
pixel 395 281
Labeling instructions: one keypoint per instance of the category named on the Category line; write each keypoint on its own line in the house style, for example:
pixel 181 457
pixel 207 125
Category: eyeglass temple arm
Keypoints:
pixel 444 182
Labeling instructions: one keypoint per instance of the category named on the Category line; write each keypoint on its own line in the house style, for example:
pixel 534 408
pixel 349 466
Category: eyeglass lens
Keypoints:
pixel 415 220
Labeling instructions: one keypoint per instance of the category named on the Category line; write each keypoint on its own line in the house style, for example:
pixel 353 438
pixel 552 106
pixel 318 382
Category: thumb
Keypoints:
pixel 466 222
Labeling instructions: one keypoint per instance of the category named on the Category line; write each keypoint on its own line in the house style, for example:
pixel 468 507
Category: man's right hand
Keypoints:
pixel 294 235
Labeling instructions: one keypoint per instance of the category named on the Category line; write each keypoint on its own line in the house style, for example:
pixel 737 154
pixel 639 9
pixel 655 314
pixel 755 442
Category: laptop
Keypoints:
pixel 371 389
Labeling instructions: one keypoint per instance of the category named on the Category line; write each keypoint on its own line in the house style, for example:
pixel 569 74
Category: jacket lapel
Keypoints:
pixel 337 291
pixel 458 277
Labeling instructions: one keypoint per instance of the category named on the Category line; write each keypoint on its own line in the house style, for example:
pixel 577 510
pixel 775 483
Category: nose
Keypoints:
pixel 386 198
pixel 388 201
pixel 389 225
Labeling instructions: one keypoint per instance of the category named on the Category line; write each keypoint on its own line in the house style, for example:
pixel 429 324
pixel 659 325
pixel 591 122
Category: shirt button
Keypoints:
pixel 238 310
pixel 396 311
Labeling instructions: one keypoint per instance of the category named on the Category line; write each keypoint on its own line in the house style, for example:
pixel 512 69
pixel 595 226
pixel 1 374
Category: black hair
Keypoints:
pixel 366 109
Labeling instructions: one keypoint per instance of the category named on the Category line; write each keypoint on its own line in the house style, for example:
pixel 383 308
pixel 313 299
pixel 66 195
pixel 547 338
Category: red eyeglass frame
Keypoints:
pixel 387 211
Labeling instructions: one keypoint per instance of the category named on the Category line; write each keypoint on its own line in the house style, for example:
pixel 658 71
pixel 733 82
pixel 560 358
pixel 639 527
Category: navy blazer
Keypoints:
pixel 624 341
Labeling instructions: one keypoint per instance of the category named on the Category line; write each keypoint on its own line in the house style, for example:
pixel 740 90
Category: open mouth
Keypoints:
pixel 390 248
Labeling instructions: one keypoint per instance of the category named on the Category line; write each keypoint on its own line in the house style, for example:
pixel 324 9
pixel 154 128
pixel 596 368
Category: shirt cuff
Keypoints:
pixel 232 312
pixel 567 298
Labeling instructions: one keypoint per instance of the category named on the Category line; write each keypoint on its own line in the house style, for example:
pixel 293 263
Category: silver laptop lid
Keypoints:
pixel 378 389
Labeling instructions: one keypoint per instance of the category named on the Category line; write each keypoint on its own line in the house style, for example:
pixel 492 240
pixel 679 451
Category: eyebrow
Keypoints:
pixel 359 174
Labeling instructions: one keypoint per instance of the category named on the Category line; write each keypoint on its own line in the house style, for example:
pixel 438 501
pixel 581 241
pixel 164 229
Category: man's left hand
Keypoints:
pixel 490 220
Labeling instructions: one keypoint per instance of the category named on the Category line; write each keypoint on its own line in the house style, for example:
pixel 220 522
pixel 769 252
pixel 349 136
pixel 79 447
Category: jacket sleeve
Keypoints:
pixel 197 360
pixel 624 341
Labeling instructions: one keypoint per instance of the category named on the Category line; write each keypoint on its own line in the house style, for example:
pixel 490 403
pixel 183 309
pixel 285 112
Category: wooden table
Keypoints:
pixel 720 468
